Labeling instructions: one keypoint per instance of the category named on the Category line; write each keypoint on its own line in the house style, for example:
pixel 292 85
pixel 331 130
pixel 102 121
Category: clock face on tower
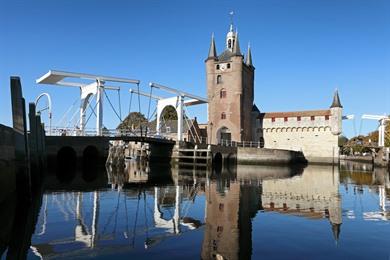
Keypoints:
pixel 223 67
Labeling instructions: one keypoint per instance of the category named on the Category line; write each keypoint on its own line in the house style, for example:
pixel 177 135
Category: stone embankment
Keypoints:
pixel 248 155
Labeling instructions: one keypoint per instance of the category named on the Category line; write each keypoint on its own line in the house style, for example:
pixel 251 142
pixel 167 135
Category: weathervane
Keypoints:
pixel 231 13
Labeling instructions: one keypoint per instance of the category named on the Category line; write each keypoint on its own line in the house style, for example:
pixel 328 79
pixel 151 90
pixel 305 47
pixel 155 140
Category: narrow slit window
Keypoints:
pixel 219 79
pixel 222 93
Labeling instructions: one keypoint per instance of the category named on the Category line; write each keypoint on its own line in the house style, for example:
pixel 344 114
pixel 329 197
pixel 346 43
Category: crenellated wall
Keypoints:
pixel 311 132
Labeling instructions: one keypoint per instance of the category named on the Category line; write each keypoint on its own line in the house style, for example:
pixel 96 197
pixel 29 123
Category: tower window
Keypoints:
pixel 223 115
pixel 312 118
pixel 217 67
pixel 229 43
pixel 228 65
pixel 326 117
pixel 222 93
pixel 219 79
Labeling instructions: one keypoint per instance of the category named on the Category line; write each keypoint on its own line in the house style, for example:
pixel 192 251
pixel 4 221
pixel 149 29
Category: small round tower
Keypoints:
pixel 336 112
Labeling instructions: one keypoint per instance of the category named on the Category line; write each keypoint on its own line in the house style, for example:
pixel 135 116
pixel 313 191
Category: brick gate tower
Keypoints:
pixel 230 85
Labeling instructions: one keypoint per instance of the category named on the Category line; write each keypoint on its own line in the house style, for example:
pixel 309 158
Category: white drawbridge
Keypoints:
pixel 382 126
pixel 90 85
pixel 95 85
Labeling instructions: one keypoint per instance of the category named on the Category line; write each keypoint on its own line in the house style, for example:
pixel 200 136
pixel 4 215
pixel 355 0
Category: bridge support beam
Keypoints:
pixel 180 115
pixel 381 130
pixel 87 92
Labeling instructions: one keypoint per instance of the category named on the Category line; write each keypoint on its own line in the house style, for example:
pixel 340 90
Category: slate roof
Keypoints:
pixel 336 100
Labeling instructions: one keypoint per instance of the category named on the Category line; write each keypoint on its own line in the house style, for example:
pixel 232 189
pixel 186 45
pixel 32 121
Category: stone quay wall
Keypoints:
pixel 250 155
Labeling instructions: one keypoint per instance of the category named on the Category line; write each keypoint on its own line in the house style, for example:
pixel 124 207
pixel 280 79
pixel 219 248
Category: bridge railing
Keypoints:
pixel 225 142
pixel 70 131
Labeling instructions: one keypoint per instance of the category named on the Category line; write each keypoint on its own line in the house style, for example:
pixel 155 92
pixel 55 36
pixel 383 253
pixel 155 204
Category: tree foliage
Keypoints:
pixel 169 113
pixel 342 140
pixel 133 121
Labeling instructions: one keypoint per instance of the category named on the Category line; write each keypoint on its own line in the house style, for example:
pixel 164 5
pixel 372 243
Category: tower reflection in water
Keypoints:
pixel 312 193
pixel 136 206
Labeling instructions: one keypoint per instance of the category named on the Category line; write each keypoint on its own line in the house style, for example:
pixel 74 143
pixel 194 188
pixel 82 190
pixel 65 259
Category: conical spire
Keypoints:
pixel 336 232
pixel 236 47
pixel 212 50
pixel 248 60
pixel 336 100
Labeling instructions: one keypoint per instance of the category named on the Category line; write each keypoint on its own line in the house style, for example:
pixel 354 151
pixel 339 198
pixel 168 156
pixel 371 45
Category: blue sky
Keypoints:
pixel 302 50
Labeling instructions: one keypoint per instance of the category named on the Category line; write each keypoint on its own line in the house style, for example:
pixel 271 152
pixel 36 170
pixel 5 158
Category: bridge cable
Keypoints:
pixel 361 126
pixel 354 126
pixel 136 216
pixel 116 214
pixel 146 219
pixel 192 126
pixel 131 98
pixel 120 106
pixel 154 112
pixel 139 109
pixel 150 99
pixel 67 111
pixel 127 218
pixel 91 114
pixel 109 101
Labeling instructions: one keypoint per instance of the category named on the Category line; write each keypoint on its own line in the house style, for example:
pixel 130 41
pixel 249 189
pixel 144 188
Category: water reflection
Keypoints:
pixel 139 209
pixel 369 181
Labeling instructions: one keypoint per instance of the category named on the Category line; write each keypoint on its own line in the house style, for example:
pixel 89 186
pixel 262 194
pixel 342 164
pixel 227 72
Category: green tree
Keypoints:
pixel 133 121
pixel 342 140
pixel 169 113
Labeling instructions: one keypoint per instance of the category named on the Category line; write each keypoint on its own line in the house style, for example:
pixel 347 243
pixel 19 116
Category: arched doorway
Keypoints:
pixel 224 135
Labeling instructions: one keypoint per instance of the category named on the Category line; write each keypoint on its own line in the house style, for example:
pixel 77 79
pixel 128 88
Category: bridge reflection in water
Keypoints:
pixel 139 208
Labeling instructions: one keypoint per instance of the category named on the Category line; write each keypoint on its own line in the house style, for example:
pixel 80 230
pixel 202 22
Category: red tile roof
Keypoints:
pixel 297 113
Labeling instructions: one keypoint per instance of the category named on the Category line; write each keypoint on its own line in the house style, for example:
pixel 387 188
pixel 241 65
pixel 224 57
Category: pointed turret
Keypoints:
pixel 336 232
pixel 212 50
pixel 236 47
pixel 248 60
pixel 336 111
pixel 336 100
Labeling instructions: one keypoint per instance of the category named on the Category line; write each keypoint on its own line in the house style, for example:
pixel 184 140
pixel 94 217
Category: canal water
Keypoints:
pixel 144 211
